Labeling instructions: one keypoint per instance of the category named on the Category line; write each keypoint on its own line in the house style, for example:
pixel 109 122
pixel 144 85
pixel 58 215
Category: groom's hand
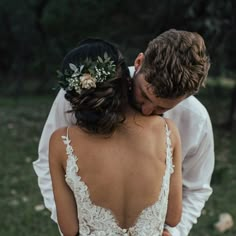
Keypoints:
pixel 166 233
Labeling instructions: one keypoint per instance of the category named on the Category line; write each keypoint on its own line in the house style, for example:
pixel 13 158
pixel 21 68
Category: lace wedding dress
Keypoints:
pixel 98 221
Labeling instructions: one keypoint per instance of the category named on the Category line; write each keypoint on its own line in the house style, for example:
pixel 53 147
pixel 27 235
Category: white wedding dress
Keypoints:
pixel 98 221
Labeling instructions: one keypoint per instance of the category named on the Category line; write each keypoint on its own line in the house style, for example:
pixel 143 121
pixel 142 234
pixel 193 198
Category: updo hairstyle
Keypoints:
pixel 99 110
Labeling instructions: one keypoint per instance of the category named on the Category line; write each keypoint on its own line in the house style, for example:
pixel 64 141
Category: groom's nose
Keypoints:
pixel 147 109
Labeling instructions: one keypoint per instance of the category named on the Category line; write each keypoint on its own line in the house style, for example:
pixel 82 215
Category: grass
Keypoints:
pixel 21 203
pixel 21 124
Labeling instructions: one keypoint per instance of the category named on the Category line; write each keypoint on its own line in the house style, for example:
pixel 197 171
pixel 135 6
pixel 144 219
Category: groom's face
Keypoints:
pixel 144 98
pixel 146 101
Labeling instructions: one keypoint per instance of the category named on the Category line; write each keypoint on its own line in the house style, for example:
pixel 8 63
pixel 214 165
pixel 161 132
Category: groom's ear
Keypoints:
pixel 138 61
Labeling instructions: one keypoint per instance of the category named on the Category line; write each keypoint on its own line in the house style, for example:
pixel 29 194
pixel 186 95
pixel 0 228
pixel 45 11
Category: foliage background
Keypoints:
pixel 36 34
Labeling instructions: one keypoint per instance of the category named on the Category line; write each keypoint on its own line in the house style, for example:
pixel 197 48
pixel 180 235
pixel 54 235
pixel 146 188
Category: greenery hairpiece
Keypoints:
pixel 88 74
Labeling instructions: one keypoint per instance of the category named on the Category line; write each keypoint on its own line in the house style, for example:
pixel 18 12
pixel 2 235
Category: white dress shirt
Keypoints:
pixel 195 129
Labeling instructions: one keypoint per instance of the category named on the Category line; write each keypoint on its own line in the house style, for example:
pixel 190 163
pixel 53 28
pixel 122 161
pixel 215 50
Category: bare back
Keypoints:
pixel 124 172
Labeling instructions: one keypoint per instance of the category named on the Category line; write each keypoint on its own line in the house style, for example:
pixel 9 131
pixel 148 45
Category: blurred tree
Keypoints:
pixel 230 50
pixel 37 33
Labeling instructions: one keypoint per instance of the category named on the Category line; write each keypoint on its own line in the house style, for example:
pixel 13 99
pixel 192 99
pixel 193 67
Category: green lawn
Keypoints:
pixel 21 124
pixel 21 121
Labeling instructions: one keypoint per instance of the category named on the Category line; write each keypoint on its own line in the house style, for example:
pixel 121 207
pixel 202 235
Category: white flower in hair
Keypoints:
pixel 87 81
pixel 87 75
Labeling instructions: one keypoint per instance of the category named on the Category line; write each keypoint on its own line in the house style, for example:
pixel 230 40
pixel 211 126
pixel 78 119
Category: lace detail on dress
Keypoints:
pixel 98 221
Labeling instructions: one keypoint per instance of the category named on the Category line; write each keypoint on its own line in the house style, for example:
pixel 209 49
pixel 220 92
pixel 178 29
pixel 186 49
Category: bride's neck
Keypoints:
pixel 130 111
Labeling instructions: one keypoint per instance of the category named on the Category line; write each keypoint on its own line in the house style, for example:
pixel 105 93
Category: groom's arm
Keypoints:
pixel 197 171
pixel 57 118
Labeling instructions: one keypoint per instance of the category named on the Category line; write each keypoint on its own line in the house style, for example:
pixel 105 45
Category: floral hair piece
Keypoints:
pixel 87 75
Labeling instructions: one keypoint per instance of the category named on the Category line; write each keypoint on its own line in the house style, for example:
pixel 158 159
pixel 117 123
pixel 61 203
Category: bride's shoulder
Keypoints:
pixel 56 147
pixel 56 139
pixel 174 132
pixel 58 133
pixel 154 121
pixel 158 125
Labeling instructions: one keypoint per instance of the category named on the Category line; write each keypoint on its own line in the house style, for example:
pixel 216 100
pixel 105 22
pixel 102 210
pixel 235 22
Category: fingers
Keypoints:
pixel 166 233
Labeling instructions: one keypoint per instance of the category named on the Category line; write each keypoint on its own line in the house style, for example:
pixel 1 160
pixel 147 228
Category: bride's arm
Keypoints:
pixel 57 118
pixel 174 209
pixel 64 197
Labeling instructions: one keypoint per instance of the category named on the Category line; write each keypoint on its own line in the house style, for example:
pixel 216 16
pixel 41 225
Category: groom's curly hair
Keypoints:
pixel 176 63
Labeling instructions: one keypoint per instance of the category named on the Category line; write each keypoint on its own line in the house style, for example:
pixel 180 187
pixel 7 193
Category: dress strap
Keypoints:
pixel 169 149
pixel 66 139
pixel 67 132
pixel 72 159
pixel 168 132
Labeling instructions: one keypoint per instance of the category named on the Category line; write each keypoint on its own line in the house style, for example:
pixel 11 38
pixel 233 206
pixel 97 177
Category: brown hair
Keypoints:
pixel 176 63
pixel 99 110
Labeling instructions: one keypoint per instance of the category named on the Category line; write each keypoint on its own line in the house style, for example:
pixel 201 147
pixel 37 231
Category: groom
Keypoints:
pixel 171 70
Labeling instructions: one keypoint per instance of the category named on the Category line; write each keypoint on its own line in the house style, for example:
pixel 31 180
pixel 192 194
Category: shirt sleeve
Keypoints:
pixel 58 117
pixel 197 167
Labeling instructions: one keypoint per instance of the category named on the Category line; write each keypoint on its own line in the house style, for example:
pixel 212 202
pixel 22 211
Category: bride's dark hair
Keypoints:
pixel 99 110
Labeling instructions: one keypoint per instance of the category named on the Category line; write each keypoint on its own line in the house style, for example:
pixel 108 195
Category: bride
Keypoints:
pixel 116 172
